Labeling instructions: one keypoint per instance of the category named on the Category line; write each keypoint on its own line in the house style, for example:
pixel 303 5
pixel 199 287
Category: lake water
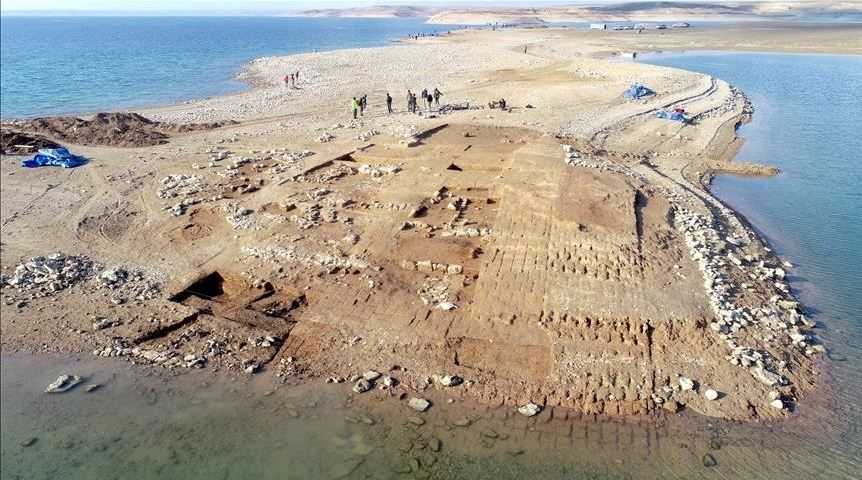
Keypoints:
pixel 149 423
pixel 807 122
pixel 57 65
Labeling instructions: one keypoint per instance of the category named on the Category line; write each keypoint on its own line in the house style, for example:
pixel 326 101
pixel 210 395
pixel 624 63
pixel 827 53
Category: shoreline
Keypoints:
pixel 249 84
pixel 624 123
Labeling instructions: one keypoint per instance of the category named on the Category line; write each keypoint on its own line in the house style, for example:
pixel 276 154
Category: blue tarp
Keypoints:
pixel 637 91
pixel 675 116
pixel 54 157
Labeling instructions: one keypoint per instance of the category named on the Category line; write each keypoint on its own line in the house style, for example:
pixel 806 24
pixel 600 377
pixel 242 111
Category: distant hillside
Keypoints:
pixel 377 11
pixel 627 11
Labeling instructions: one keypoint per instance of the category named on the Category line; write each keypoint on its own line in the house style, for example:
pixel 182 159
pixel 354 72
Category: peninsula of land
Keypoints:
pixel 557 250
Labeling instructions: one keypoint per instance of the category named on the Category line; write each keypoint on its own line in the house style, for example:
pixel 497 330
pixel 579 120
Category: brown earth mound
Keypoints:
pixel 111 129
pixel 19 143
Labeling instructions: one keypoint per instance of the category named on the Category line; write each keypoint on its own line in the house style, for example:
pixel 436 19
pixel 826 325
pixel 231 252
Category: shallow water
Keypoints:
pixel 57 65
pixel 147 423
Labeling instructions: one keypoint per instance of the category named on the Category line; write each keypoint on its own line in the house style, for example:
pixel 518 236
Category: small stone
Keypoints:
pixel 671 406
pixel 710 394
pixel 362 385
pixel 371 375
pixel 435 444
pixel 686 383
pixel 462 422
pixel 29 442
pixel 774 395
pixel 709 461
pixel 451 380
pixel 92 387
pixel 418 421
pixel 529 410
pixel 777 403
pixel 419 404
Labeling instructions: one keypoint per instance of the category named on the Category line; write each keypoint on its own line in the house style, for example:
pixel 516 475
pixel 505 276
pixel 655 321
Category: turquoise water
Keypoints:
pixel 82 64
pixel 808 122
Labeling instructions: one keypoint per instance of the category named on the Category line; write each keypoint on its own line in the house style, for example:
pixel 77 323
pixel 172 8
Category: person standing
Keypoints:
pixel 437 95
pixel 296 76
pixel 363 102
pixel 425 97
pixel 287 81
pixel 354 105
pixel 388 102
pixel 409 101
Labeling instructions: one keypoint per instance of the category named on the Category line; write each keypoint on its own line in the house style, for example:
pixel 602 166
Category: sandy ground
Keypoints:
pixel 563 252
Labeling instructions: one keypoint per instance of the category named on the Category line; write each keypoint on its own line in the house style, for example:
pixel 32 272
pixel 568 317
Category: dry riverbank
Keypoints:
pixel 560 253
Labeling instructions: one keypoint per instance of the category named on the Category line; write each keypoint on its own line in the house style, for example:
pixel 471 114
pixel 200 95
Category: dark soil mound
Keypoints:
pixel 110 129
pixel 19 143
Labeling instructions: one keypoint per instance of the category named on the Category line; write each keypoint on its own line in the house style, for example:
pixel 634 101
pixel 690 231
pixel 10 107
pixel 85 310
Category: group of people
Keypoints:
pixel 430 99
pixel 358 105
pixel 290 79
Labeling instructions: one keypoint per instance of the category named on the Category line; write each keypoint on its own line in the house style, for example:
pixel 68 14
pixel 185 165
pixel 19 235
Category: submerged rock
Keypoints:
pixel 709 461
pixel 529 409
pixel 419 404
pixel 362 385
pixel 765 376
pixel 64 383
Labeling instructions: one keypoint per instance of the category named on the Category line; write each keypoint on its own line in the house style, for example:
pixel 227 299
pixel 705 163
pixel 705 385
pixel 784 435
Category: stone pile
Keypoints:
pixel 427 266
pixel 53 273
pixel 379 170
pixel 365 136
pixel 127 282
pixel 239 217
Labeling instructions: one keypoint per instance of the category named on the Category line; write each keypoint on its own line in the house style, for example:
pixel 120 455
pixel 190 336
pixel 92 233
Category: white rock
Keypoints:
pixel 710 394
pixel 64 383
pixel 419 404
pixel 362 385
pixel 777 403
pixel 371 375
pixel 686 383
pixel 529 410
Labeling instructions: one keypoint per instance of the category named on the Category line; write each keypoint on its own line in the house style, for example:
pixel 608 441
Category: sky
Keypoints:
pixel 248 6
